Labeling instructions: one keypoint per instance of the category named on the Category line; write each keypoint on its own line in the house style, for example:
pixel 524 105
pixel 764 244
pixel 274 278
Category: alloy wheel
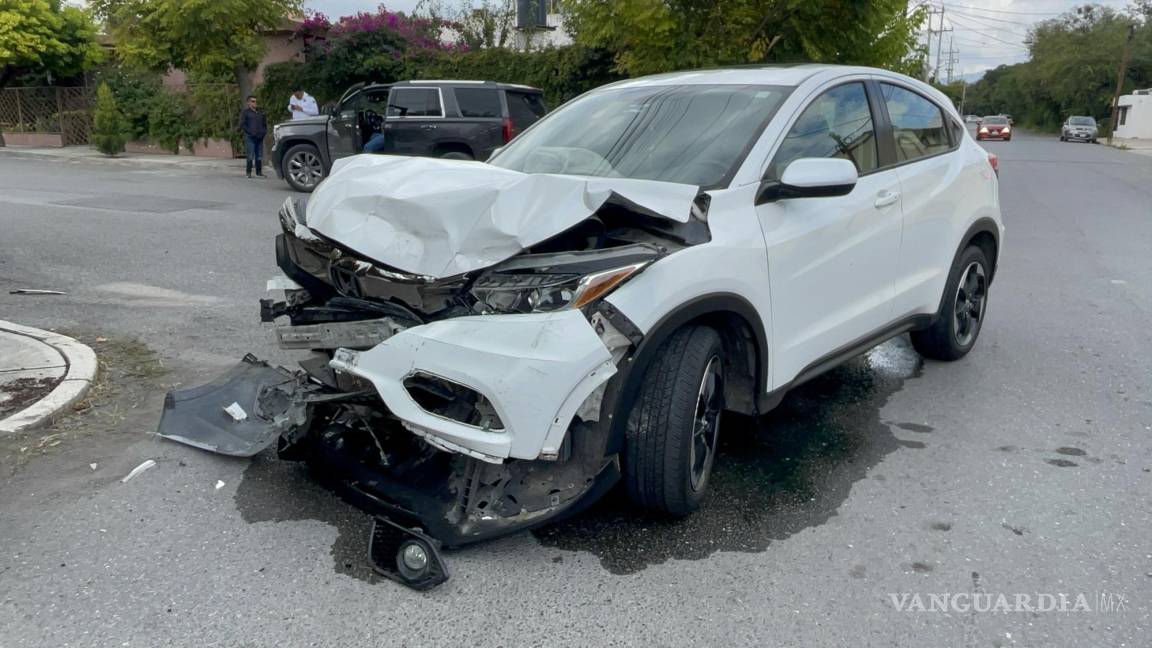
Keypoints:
pixel 706 426
pixel 971 298
pixel 305 168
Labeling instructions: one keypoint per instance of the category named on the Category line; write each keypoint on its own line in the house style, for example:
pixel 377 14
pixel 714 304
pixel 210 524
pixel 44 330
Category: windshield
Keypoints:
pixel 1082 121
pixel 995 121
pixel 692 134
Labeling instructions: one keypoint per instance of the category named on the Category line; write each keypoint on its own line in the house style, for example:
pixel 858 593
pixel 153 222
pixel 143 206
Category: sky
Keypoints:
pixel 985 33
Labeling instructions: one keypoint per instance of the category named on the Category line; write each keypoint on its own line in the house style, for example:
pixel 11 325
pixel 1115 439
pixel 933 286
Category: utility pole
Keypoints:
pixel 932 11
pixel 952 60
pixel 1120 81
pixel 940 44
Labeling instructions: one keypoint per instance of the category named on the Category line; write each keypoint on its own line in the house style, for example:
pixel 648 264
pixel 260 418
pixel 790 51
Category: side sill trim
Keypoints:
pixel 768 401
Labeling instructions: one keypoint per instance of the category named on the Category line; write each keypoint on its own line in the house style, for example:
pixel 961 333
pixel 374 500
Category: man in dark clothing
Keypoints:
pixel 255 126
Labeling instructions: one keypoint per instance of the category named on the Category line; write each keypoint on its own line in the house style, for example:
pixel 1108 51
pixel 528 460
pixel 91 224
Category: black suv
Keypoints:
pixel 464 120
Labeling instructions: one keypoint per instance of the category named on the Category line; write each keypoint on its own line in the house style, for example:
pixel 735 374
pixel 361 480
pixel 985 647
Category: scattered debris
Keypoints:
pixel 137 470
pixel 35 291
pixel 236 412
pixel 92 466
pixel 219 484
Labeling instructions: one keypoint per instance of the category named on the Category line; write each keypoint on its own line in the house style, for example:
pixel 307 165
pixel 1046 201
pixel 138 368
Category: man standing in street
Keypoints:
pixel 302 105
pixel 255 126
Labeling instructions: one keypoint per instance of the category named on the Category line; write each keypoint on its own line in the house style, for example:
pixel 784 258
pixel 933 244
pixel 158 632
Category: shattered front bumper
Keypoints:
pixel 536 370
pixel 381 448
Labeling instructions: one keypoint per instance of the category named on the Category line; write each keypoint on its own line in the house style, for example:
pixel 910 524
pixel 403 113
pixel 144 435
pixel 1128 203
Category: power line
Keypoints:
pixel 984 34
pixel 1004 11
pixel 982 20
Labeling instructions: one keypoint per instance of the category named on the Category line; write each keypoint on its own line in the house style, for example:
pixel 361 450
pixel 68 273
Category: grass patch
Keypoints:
pixel 128 374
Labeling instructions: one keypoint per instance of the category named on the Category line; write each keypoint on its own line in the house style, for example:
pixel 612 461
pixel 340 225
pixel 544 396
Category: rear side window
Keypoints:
pixel 525 108
pixel 917 124
pixel 415 102
pixel 478 102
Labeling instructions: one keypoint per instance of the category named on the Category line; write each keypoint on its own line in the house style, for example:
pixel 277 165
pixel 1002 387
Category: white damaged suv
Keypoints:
pixel 493 344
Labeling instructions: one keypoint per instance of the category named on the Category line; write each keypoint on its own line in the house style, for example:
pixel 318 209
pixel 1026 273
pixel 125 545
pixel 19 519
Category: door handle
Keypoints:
pixel 887 199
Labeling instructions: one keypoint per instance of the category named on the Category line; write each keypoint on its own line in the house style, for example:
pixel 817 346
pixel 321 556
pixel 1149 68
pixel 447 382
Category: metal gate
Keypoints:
pixel 66 111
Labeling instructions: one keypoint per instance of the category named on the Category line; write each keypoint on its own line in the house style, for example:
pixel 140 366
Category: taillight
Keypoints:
pixel 1005 130
pixel 994 161
pixel 509 130
pixel 983 129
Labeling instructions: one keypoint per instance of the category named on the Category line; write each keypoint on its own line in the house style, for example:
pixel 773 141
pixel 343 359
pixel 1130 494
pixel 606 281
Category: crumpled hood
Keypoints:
pixel 441 218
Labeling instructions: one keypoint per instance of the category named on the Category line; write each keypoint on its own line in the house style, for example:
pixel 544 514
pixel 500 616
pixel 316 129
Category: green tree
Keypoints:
pixel 651 36
pixel 109 128
pixel 44 36
pixel 215 36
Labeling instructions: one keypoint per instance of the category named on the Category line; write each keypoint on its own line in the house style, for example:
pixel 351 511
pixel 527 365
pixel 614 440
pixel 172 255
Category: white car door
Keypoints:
pixel 939 184
pixel 831 260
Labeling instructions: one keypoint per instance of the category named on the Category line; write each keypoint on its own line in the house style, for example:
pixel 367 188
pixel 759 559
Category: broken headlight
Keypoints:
pixel 542 292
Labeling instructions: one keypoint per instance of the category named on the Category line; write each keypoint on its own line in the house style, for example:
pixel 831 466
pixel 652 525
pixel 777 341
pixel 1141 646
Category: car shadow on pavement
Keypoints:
pixel 787 472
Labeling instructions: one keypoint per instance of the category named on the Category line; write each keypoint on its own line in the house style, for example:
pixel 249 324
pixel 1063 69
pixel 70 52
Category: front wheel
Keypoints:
pixel 962 312
pixel 303 167
pixel 673 428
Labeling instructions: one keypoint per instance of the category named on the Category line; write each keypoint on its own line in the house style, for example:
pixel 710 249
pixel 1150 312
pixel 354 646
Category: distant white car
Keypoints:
pixel 971 118
pixel 501 342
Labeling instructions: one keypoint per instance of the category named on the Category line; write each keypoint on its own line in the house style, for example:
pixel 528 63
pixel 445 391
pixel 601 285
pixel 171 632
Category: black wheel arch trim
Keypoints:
pixel 622 392
pixel 983 225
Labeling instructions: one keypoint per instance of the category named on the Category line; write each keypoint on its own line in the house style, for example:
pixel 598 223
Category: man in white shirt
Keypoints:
pixel 302 105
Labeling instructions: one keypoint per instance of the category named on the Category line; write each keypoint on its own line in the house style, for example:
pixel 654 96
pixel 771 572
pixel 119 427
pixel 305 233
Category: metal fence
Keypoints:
pixel 51 109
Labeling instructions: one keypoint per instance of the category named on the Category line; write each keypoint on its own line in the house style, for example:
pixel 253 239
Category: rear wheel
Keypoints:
pixel 961 316
pixel 674 425
pixel 303 167
pixel 456 155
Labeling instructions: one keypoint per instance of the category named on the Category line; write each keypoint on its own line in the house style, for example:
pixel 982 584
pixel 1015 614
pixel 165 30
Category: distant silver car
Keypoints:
pixel 1079 128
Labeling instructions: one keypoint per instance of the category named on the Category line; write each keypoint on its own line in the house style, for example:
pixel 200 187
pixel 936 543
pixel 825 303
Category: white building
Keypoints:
pixel 1134 115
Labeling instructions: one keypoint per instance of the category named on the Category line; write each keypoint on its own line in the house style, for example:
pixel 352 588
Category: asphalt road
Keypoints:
pixel 1022 469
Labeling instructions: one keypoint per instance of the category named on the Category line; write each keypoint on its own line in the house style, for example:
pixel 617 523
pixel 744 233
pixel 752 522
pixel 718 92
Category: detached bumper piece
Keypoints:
pixel 225 416
pixel 405 555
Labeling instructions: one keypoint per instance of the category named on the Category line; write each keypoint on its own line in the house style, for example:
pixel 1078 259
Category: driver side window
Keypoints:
pixel 368 100
pixel 837 124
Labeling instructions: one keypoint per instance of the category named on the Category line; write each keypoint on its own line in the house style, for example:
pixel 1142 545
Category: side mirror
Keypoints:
pixel 810 178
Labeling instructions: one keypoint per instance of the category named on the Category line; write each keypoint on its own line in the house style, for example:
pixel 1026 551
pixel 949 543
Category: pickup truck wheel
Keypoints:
pixel 303 167
pixel 456 155
pixel 674 425
pixel 962 314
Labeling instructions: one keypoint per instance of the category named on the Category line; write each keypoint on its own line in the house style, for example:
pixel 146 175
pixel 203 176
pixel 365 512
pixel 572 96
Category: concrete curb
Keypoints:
pixel 73 386
pixel 151 161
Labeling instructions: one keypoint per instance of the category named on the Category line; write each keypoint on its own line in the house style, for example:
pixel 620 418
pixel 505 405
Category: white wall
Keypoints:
pixel 1138 121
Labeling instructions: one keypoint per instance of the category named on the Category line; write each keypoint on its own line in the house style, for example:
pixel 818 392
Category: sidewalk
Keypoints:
pixel 41 374
pixel 1140 146
pixel 90 155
